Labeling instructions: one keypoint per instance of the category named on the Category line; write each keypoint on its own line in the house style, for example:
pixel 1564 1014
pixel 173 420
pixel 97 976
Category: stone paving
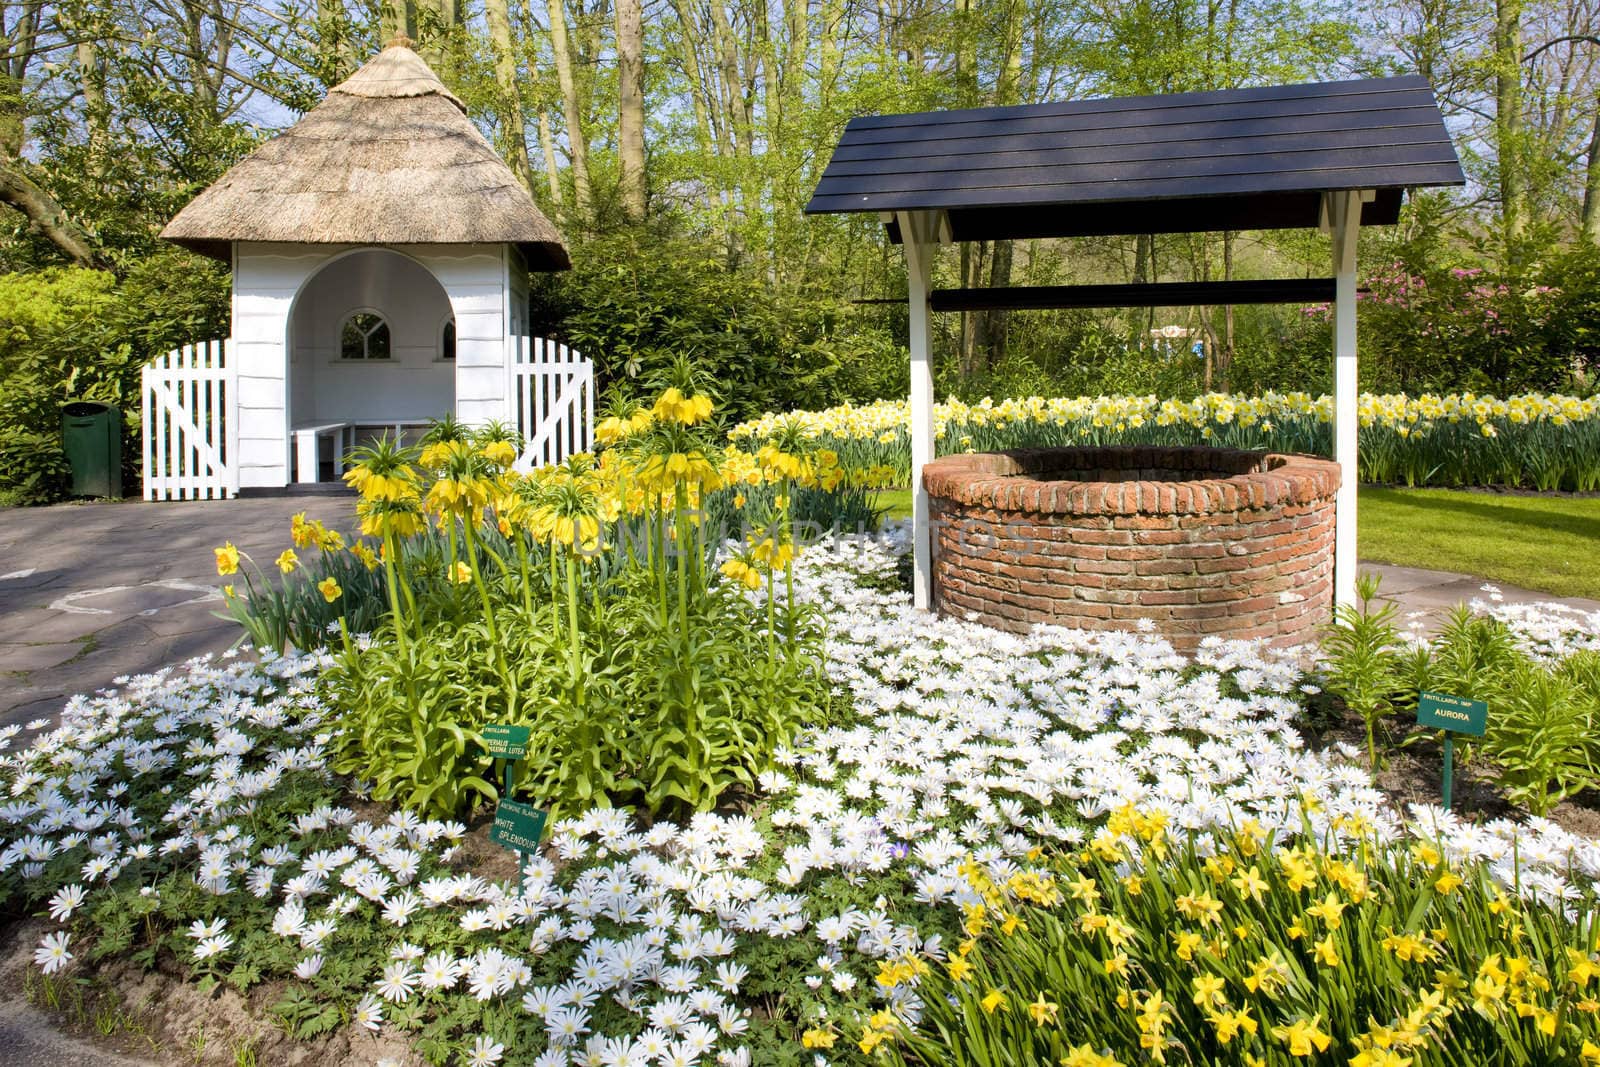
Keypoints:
pixel 91 592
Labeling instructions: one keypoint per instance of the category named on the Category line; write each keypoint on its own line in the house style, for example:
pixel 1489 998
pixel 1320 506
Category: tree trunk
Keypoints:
pixel 1591 184
pixel 508 98
pixel 1508 120
pixel 577 149
pixel 630 107
pixel 704 107
pixel 994 328
pixel 1225 352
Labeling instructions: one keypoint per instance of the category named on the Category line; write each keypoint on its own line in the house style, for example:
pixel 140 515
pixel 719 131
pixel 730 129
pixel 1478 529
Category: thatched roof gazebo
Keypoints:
pixel 390 157
pixel 380 252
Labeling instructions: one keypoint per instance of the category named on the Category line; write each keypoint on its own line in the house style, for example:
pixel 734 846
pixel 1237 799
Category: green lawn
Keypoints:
pixel 1550 544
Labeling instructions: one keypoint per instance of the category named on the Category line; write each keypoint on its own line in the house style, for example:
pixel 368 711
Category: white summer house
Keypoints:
pixel 381 254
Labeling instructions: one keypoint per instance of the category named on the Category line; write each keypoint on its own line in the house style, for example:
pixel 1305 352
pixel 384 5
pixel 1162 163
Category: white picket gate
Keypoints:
pixel 549 400
pixel 191 424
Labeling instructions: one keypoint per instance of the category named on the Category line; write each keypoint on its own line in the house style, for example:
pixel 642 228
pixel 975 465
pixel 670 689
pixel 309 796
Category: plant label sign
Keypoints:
pixel 1453 715
pixel 517 826
pixel 506 742
pixel 1456 714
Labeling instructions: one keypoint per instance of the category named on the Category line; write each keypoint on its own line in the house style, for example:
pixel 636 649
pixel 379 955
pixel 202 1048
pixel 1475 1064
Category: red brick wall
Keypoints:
pixel 1201 541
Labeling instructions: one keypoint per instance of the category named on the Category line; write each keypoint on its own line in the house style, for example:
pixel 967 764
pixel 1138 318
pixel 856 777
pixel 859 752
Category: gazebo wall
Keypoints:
pixel 478 280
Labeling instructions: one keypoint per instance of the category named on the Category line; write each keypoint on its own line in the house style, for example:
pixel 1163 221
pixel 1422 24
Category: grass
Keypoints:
pixel 1546 543
pixel 1550 544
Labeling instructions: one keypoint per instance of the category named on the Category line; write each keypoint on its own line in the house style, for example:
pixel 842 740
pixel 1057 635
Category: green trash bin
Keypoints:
pixel 91 435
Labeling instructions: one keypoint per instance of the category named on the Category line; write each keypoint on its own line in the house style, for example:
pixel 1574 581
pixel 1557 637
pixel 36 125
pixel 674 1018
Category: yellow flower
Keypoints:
pixel 329 587
pixel 227 559
pixel 993 1001
pixel 1117 964
pixel 287 560
pixel 816 1038
pixel 1230 1025
pixel 461 574
pixel 742 572
pixel 500 453
pixel 1251 884
pixel 1447 883
pixel 1186 943
pixel 1325 953
pixel 1328 911
pixel 1043 1011
pixel 1208 990
pixel 368 558
pixel 227 591
pixel 1084 1056
pixel 1303 1037
pixel 959 970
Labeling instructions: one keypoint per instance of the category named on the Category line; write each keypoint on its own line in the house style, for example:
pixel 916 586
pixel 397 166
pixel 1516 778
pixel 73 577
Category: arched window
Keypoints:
pixel 447 339
pixel 365 335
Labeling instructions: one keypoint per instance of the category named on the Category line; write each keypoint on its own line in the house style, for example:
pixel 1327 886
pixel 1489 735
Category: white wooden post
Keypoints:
pixel 1344 221
pixel 918 238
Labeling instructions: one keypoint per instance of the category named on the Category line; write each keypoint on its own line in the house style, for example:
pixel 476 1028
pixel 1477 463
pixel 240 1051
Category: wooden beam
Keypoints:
pixel 1158 294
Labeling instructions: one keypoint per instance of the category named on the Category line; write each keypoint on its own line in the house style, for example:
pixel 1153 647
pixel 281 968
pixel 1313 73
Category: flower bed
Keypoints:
pixel 1198 541
pixel 1540 441
pixel 192 816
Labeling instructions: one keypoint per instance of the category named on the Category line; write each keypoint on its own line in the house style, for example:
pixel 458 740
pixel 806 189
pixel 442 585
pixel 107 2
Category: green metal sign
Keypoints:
pixel 505 741
pixel 1456 714
pixel 517 826
pixel 1453 715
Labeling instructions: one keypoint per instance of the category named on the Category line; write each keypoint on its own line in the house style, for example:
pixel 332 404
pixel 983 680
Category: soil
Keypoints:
pixel 164 1020
pixel 1413 775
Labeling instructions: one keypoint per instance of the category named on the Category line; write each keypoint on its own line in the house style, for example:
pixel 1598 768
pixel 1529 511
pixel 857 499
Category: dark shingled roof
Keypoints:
pixel 1232 159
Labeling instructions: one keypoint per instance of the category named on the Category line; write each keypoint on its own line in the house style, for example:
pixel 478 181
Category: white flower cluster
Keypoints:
pixel 965 742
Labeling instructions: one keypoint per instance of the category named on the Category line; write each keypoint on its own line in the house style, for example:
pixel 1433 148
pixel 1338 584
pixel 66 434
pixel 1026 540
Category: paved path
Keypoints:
pixel 90 592
pixel 1436 592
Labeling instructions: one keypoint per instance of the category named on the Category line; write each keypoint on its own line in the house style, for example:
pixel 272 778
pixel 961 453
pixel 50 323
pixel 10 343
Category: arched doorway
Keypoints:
pixel 371 340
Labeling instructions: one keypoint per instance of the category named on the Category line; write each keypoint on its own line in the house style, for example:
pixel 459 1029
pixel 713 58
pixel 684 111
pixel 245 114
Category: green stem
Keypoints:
pixel 573 643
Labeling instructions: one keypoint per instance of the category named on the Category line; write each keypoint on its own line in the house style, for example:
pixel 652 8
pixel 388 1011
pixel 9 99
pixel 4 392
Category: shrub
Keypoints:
pixel 69 333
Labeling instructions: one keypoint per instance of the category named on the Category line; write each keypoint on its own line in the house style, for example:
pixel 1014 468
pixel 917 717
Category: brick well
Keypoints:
pixel 1201 541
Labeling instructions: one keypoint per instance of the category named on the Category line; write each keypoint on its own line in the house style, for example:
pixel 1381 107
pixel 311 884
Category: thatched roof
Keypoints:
pixel 389 157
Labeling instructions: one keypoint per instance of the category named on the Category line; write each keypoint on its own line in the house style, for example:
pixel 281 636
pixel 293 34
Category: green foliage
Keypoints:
pixel 1542 732
pixel 1362 650
pixel 636 301
pixel 68 333
pixel 1543 736
pixel 584 607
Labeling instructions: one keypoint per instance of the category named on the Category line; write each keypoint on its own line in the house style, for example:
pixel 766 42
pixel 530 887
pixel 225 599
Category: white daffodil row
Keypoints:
pixel 631 945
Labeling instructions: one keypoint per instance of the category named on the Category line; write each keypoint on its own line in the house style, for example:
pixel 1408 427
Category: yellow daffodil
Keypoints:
pixel 329 588
pixel 227 559
pixel 288 561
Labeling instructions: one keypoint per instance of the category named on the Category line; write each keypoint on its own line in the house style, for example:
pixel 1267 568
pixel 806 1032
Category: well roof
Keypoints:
pixel 389 157
pixel 1255 158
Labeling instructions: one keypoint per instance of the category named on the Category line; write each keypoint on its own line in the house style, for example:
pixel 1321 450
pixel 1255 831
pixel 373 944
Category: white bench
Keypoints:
pixel 308 438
